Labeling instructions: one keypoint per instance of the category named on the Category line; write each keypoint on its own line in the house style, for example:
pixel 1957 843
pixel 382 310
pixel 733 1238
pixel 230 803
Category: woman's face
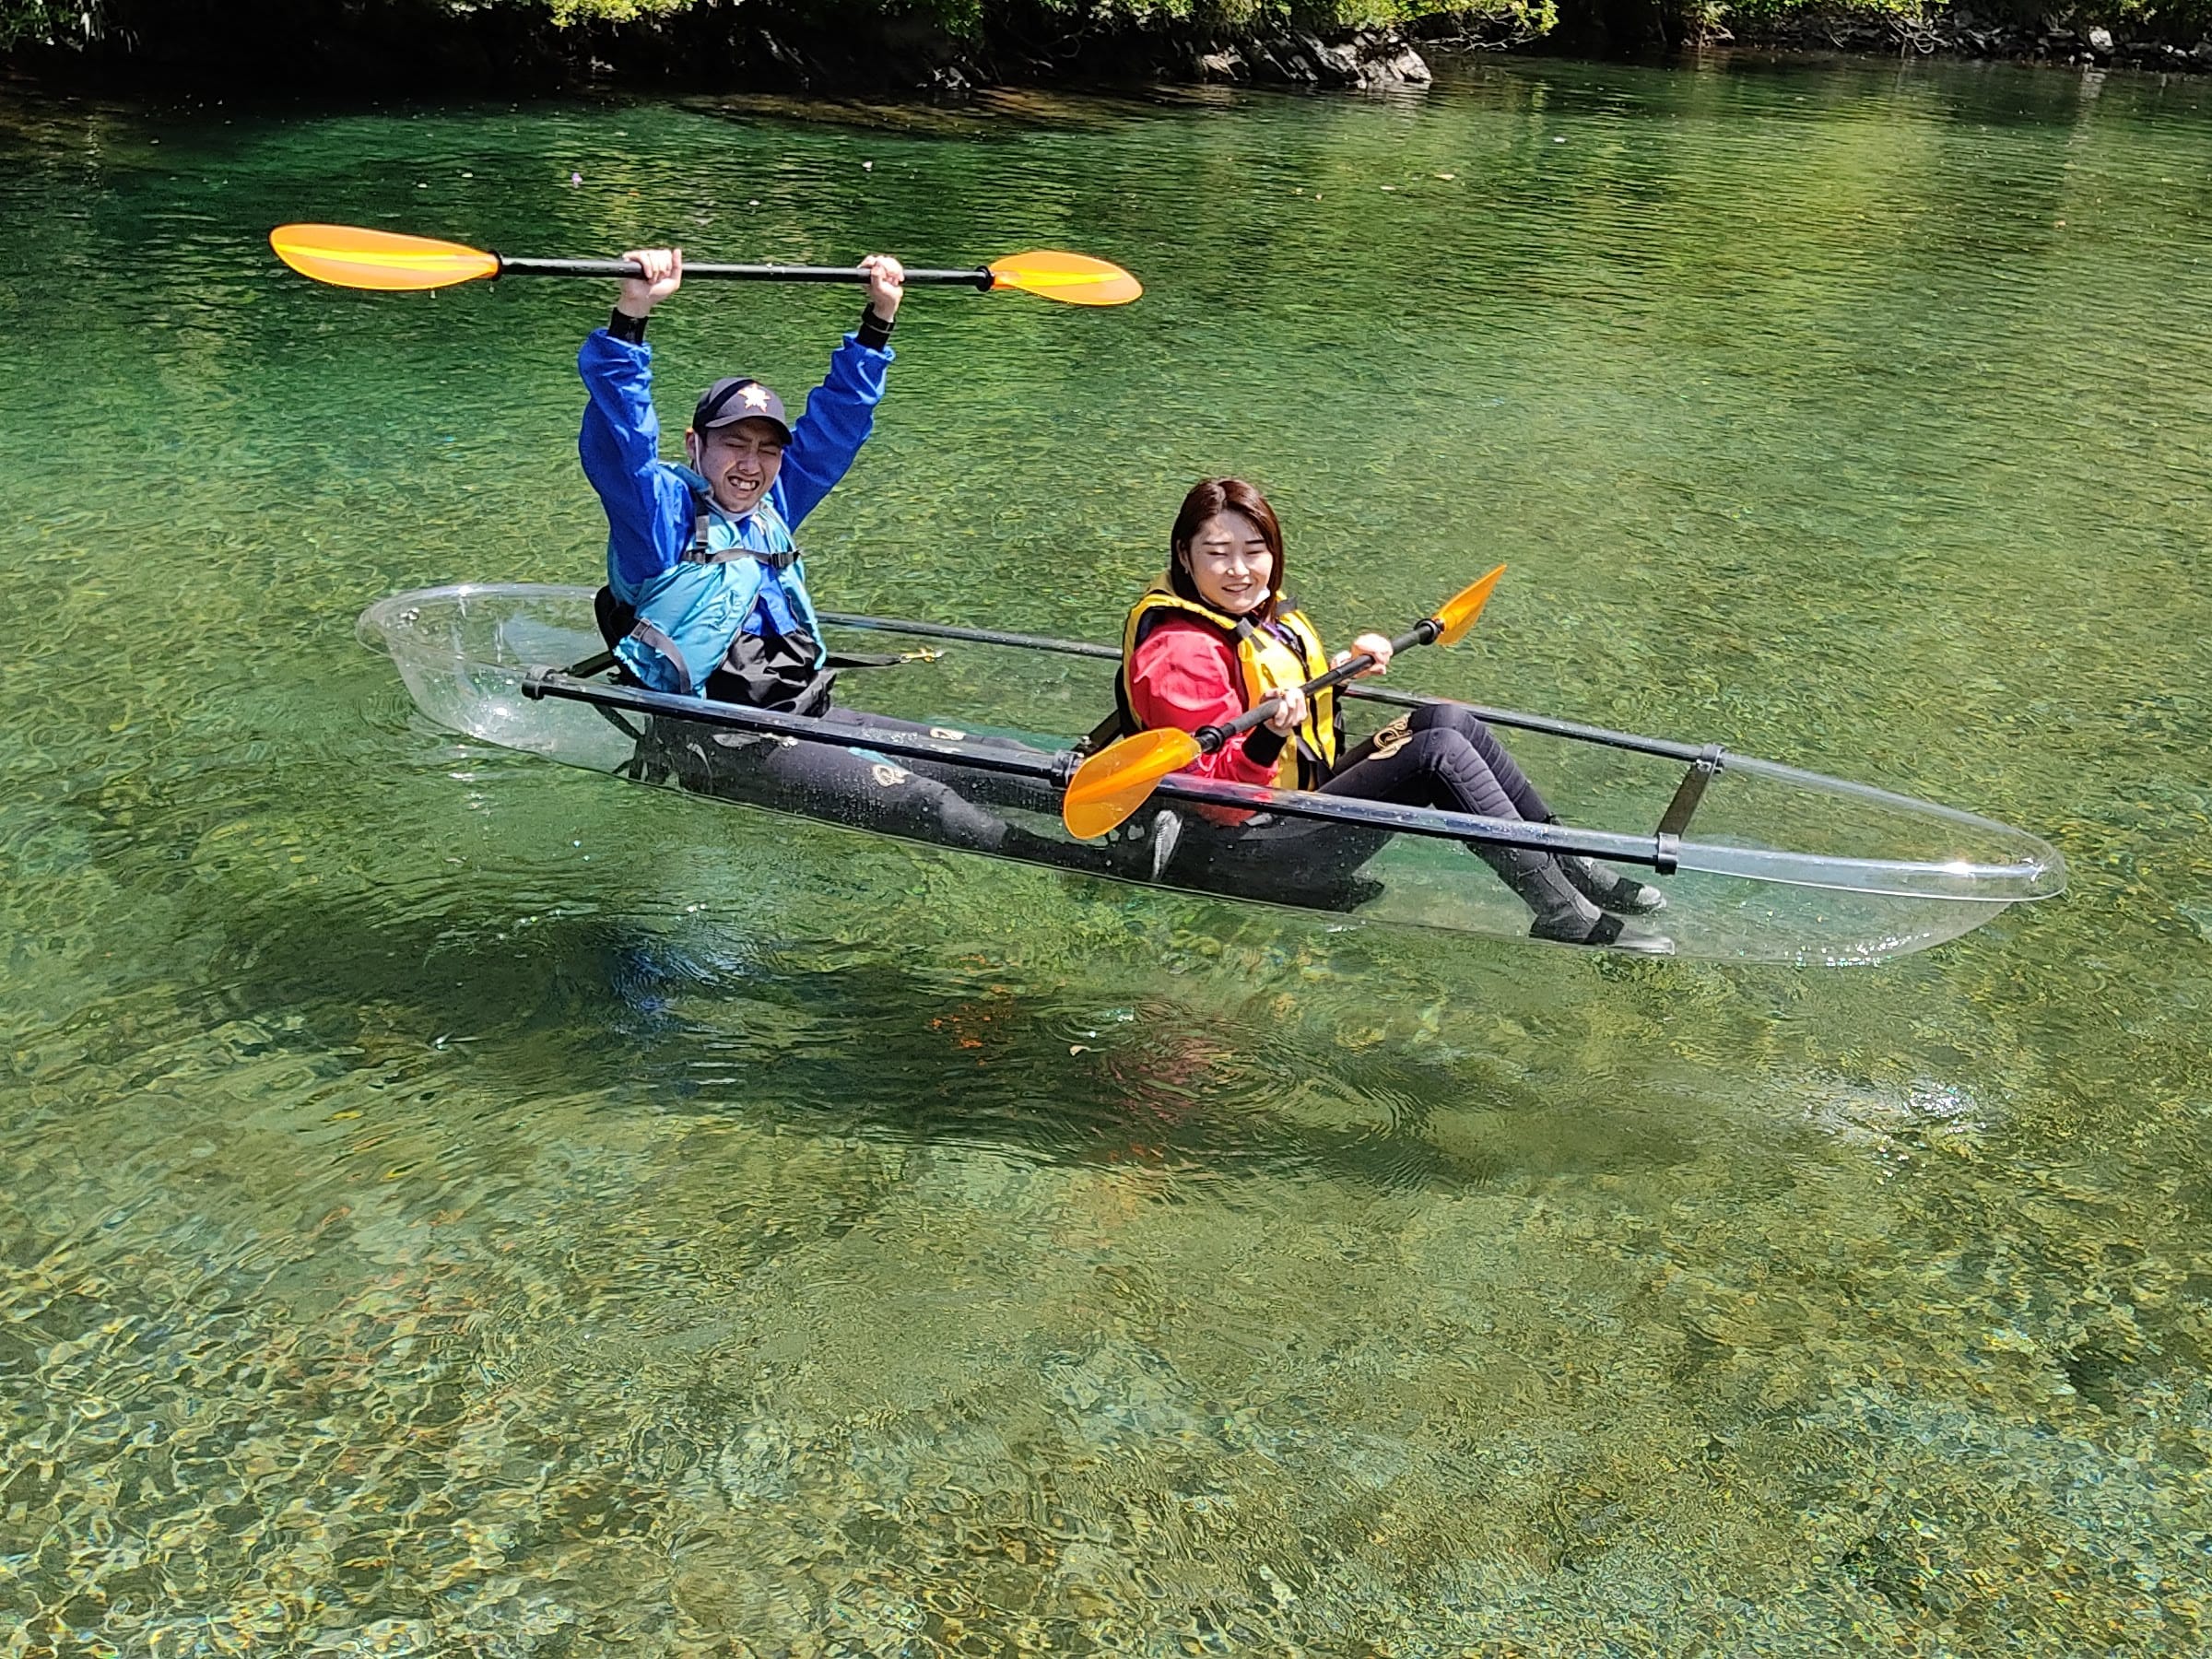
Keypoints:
pixel 1230 564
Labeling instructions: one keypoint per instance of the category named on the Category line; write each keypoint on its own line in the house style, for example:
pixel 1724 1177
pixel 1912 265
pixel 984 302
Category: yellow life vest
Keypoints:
pixel 1268 663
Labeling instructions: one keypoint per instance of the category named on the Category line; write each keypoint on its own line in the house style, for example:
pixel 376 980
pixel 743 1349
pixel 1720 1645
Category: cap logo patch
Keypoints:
pixel 755 397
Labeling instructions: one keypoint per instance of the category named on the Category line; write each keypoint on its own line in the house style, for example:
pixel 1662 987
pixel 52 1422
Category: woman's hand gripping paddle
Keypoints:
pixel 1120 778
pixel 390 263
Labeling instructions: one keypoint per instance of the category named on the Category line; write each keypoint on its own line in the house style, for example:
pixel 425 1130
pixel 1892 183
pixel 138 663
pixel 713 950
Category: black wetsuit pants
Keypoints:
pixel 912 798
pixel 945 804
pixel 1442 756
pixel 1449 759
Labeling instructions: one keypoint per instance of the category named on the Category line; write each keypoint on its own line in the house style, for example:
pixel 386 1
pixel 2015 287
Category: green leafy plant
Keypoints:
pixel 47 21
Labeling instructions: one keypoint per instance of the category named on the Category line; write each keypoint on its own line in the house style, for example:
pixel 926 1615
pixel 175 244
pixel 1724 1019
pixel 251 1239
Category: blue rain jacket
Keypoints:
pixel 652 509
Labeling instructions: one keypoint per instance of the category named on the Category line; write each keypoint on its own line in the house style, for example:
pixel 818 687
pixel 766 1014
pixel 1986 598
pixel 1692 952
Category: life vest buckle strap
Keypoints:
pixel 661 645
pixel 697 552
pixel 778 562
pixel 702 524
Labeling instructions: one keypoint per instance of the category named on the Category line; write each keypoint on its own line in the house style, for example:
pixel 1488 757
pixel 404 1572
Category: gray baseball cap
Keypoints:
pixel 736 398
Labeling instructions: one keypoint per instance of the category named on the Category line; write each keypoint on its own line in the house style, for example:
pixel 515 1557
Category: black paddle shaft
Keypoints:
pixel 978 278
pixel 1213 737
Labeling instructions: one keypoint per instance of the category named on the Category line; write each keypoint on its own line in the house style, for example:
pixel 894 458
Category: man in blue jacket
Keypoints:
pixel 705 588
pixel 706 595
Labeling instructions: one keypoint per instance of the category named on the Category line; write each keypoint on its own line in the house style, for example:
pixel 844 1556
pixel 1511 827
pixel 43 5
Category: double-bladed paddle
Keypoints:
pixel 1120 778
pixel 388 262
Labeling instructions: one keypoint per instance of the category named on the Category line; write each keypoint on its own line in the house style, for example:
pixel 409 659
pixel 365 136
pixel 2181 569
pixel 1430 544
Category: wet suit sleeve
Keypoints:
pixel 1186 675
pixel 648 508
pixel 839 415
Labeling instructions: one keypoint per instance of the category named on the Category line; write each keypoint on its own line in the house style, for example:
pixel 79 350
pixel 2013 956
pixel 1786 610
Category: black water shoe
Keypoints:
pixel 1607 933
pixel 1609 889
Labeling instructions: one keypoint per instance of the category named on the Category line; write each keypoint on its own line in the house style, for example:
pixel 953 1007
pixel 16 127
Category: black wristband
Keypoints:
pixel 1264 747
pixel 624 326
pixel 873 331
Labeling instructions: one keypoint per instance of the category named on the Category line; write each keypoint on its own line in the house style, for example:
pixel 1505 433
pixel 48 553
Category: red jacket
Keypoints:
pixel 1185 675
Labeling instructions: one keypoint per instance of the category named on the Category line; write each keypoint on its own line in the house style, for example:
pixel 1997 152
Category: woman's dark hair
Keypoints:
pixel 1209 497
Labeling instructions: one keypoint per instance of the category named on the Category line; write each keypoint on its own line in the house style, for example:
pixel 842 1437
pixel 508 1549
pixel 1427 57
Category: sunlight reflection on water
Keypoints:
pixel 457 1203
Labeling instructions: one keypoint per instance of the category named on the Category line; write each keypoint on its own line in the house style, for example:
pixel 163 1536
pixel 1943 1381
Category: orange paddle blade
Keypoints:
pixel 382 260
pixel 1458 613
pixel 1072 278
pixel 1118 780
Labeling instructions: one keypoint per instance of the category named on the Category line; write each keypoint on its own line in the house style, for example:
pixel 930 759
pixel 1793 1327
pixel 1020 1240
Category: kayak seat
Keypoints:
pixel 616 619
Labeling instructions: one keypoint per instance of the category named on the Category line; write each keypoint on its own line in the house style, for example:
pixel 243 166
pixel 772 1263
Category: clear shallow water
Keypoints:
pixel 454 1202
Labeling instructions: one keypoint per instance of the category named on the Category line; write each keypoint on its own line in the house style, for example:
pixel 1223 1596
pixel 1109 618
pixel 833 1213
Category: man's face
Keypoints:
pixel 738 462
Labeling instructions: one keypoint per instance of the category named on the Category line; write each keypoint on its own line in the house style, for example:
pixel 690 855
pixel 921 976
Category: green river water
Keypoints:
pixel 458 1204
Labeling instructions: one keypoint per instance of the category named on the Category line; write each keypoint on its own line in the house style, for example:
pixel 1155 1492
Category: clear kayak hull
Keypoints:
pixel 1758 862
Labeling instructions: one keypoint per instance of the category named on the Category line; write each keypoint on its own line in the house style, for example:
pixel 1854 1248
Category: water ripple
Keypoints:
pixel 460 1204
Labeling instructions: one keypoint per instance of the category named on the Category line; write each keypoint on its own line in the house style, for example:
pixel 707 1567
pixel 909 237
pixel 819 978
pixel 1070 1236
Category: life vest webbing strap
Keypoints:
pixel 646 634
pixel 1316 768
pixel 697 552
pixel 779 561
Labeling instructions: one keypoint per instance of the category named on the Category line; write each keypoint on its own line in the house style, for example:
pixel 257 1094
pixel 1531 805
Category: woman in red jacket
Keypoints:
pixel 1213 636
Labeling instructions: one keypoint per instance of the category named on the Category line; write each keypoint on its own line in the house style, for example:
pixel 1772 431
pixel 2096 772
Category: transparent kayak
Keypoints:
pixel 1758 862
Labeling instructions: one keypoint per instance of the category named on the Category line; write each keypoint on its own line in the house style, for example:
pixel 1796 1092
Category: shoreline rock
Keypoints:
pixel 1366 60
pixel 1961 32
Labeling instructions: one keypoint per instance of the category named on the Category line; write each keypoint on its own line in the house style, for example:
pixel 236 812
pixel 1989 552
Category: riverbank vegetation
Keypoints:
pixel 951 43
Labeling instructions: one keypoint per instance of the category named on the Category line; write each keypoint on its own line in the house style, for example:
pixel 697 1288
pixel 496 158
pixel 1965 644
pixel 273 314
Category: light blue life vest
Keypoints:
pixel 738 576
